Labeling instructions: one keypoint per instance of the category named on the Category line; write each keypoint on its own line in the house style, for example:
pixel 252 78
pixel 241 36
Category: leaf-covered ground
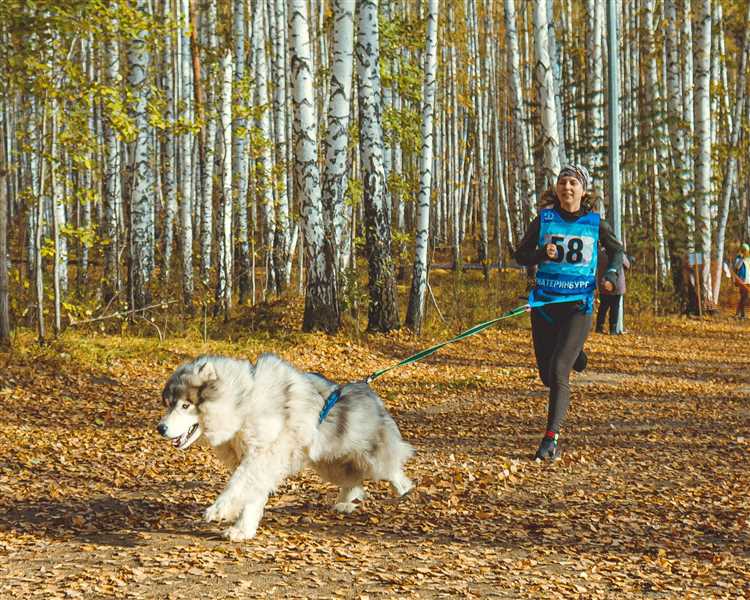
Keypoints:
pixel 651 499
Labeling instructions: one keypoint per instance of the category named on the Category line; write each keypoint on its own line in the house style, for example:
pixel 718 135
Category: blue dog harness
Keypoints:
pixel 330 402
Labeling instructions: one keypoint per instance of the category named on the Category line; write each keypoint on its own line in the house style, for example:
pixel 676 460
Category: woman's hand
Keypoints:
pixel 608 285
pixel 551 250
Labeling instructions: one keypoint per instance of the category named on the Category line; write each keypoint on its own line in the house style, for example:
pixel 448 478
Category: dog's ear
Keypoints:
pixel 201 376
pixel 206 372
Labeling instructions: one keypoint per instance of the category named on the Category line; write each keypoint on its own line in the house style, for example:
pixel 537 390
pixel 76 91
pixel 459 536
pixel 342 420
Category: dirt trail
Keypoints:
pixel 651 498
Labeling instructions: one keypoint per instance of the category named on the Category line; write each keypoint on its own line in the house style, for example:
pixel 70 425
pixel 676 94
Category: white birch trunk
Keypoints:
pixel 716 117
pixel 596 93
pixel 186 157
pixel 168 165
pixel 723 76
pixel 386 10
pixel 554 57
pixel 282 233
pixel 415 312
pixel 4 185
pixel 453 157
pixel 688 92
pixel 239 151
pixel 264 167
pixel 730 174
pixel 703 143
pixel 677 127
pixel 546 90
pixel 142 203
pixel 524 161
pixel 523 154
pixel 321 298
pixel 382 309
pixel 87 177
pixel 60 262
pixel 38 226
pixel 209 156
pixel 34 178
pixel 657 131
pixel 224 289
pixel 337 132
pixel 112 199
pixel 476 76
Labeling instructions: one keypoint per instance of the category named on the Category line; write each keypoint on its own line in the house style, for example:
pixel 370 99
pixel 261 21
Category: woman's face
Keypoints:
pixel 569 191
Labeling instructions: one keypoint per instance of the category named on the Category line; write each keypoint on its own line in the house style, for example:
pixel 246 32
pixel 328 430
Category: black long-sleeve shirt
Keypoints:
pixel 529 253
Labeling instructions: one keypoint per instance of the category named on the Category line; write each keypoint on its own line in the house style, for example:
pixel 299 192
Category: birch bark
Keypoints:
pixel 382 310
pixel 415 312
pixel 321 296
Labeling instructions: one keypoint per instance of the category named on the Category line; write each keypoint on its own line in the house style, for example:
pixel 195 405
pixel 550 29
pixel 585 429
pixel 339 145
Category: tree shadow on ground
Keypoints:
pixel 106 520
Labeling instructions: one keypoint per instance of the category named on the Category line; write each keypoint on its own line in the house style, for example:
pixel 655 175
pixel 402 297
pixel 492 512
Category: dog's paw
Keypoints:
pixel 237 534
pixel 345 507
pixel 359 494
pixel 221 510
pixel 401 485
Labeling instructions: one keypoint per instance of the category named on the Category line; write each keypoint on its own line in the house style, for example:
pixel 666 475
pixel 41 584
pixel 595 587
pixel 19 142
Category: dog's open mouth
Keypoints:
pixel 182 441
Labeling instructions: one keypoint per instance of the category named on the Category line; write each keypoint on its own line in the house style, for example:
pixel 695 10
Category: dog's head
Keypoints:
pixel 182 397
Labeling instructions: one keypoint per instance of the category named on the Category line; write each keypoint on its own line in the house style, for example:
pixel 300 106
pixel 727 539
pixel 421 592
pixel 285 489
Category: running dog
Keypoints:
pixel 264 422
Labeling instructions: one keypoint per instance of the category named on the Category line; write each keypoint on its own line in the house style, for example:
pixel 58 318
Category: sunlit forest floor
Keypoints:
pixel 651 498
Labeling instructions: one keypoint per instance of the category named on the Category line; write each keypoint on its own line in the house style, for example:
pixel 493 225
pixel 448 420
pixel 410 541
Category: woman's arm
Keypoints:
pixel 528 253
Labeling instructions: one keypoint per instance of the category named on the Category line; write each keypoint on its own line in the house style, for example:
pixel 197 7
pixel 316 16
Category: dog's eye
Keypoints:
pixel 185 405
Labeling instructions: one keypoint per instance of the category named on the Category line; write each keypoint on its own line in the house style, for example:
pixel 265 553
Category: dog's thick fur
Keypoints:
pixel 262 421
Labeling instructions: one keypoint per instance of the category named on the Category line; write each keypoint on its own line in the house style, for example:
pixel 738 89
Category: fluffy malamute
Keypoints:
pixel 263 422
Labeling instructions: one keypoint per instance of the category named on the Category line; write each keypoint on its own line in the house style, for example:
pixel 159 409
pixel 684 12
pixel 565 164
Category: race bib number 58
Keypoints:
pixel 571 249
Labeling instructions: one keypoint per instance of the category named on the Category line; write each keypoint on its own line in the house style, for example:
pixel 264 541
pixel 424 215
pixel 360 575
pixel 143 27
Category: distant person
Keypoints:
pixel 611 301
pixel 688 288
pixel 563 242
pixel 742 281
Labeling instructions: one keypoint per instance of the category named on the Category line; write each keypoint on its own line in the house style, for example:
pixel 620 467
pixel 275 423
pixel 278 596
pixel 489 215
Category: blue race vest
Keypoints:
pixel 573 271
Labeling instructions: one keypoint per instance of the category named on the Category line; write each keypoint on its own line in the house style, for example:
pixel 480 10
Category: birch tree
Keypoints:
pixel 282 238
pixel 141 204
pixel 703 143
pixel 38 227
pixel 595 10
pixel 186 156
pixel 523 153
pixel 337 130
pixel 658 133
pixel 224 284
pixel 168 153
pixel 239 152
pixel 209 154
pixel 264 167
pixel 415 312
pixel 677 129
pixel 86 199
pixel 321 297
pixel 688 92
pixel 59 264
pixel 4 288
pixel 554 56
pixel 546 91
pixel 730 173
pixel 477 77
pixel 382 310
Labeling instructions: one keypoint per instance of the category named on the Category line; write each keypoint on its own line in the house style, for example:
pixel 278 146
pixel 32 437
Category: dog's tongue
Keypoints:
pixel 177 442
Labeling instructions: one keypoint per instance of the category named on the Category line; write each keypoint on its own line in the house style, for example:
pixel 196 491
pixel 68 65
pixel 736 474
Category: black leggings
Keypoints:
pixel 557 344
pixel 611 303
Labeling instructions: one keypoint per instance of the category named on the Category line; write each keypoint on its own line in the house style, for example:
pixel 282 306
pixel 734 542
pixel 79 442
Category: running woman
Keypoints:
pixel 563 242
